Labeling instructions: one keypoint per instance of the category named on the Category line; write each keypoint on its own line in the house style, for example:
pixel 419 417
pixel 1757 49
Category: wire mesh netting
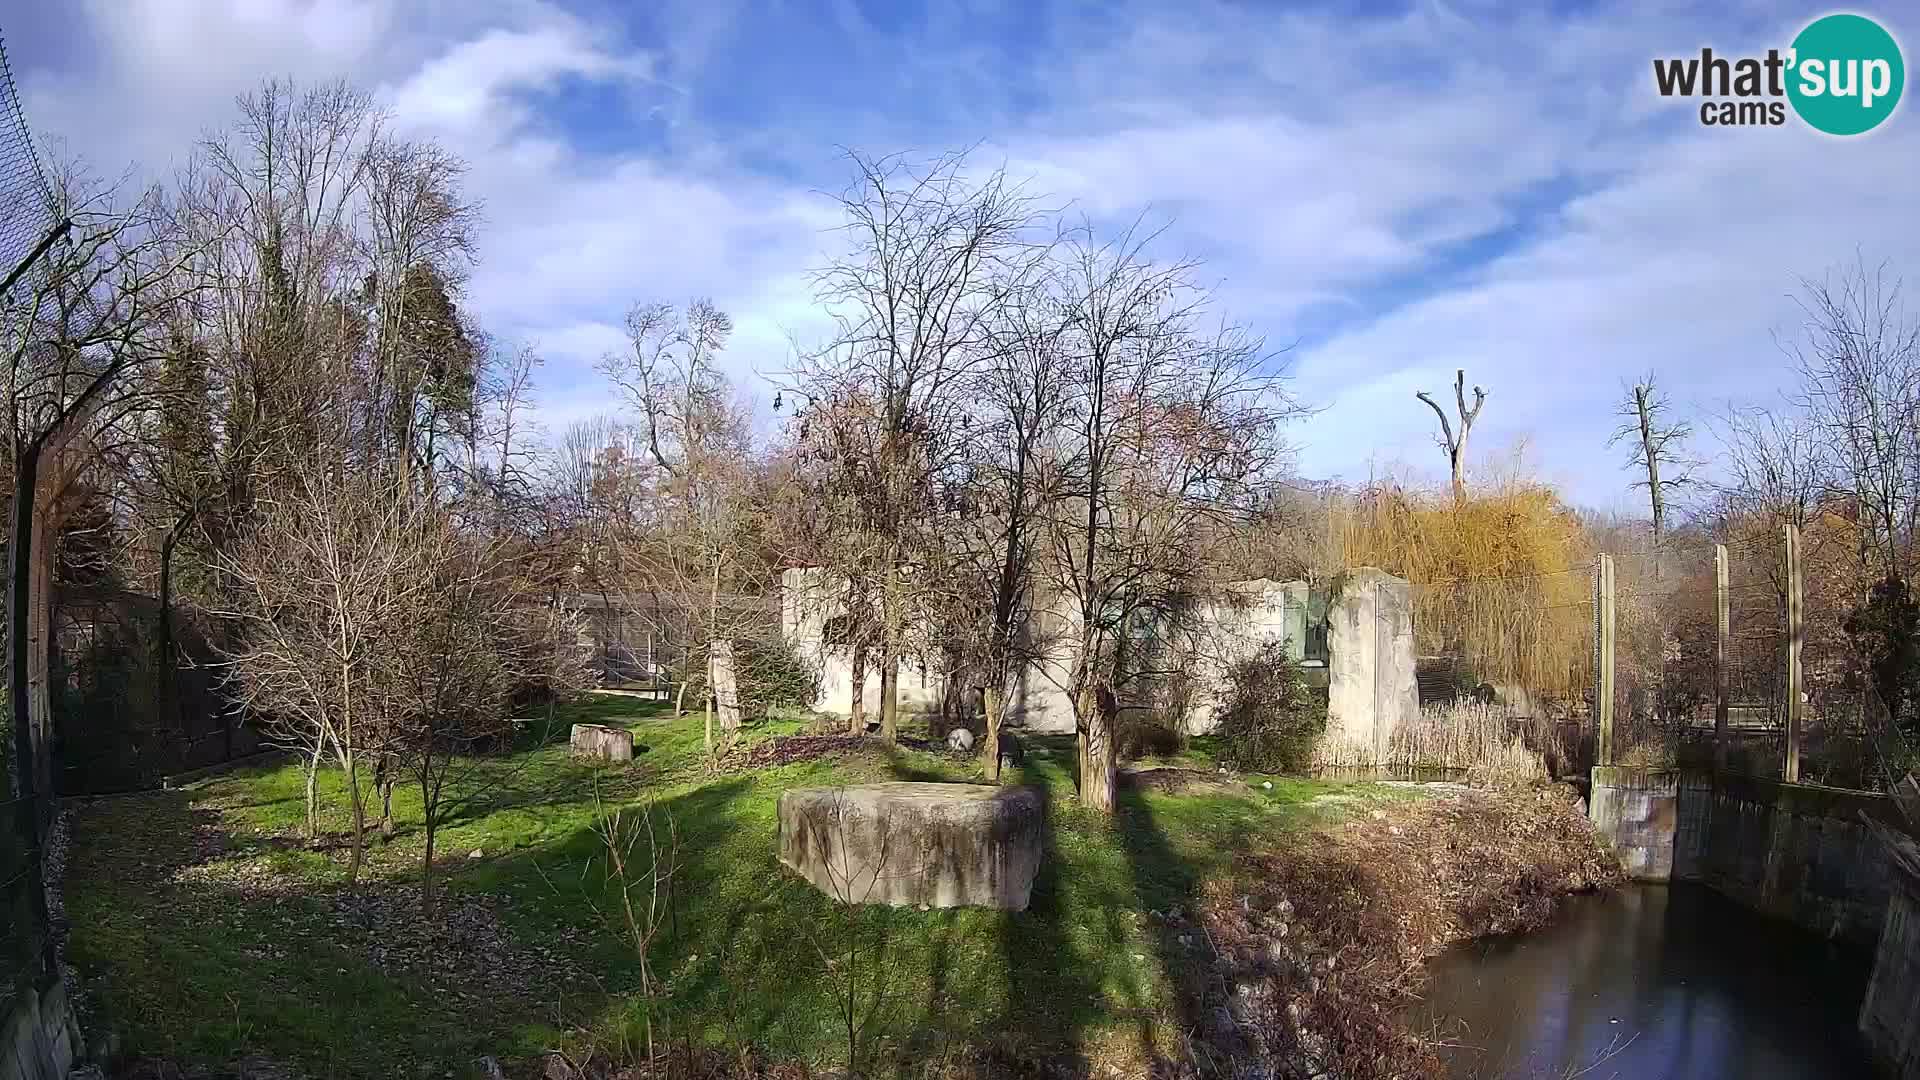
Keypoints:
pixel 26 199
pixel 26 219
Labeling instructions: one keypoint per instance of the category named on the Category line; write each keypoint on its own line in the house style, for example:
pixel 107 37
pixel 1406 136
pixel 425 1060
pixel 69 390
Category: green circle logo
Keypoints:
pixel 1846 74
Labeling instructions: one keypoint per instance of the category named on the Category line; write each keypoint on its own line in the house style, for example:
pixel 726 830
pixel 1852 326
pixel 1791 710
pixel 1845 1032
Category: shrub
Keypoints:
pixel 1269 719
pixel 773 675
pixel 1145 734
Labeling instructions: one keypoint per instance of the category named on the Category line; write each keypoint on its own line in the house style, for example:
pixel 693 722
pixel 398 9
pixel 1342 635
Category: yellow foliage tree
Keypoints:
pixel 1502 579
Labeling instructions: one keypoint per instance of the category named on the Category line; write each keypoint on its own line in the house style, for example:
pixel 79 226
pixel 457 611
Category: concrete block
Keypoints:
pixel 1636 811
pixel 1371 686
pixel 601 741
pixel 942 845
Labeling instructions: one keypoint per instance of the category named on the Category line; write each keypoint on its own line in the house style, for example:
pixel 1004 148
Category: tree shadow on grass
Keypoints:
pixel 1168 885
pixel 1053 991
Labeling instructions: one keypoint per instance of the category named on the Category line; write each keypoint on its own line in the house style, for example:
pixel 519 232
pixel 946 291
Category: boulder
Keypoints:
pixel 942 845
pixel 601 741
pixel 960 740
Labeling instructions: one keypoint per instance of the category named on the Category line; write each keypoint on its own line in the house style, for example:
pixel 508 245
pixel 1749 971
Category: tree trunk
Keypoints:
pixel 1098 763
pixel 313 792
pixel 680 699
pixel 356 858
pixel 167 670
pixel 857 707
pixel 991 699
pixel 386 806
pixel 890 651
pixel 889 696
pixel 426 863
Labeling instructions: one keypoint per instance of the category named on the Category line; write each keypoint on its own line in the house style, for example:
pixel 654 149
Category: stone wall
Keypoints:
pixel 1370 665
pixel 38 1038
pixel 1799 852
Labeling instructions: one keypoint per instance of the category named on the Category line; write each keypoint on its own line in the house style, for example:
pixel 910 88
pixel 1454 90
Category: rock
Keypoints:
pixel 601 741
pixel 557 1068
pixel 476 853
pixel 489 1067
pixel 944 845
pixel 960 740
pixel 1266 785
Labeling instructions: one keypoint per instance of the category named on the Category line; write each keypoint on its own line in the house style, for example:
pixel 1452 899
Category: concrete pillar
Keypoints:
pixel 1370 667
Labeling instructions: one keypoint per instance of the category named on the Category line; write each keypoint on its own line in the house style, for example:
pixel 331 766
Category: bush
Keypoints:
pixel 1144 734
pixel 1269 720
pixel 772 674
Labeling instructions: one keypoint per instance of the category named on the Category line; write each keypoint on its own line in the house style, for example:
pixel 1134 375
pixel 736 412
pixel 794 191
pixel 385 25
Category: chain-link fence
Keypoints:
pixel 1679 655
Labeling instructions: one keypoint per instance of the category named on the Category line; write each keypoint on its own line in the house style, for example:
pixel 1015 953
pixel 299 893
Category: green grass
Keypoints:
pixel 250 963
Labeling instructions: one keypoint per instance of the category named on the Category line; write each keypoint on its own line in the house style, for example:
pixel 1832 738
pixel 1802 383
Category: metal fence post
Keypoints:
pixel 1721 681
pixel 1603 662
pixel 1796 637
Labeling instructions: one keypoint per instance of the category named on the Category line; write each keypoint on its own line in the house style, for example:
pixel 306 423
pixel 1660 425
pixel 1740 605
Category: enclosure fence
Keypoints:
pixel 28 225
pixel 1744 657
pixel 1738 657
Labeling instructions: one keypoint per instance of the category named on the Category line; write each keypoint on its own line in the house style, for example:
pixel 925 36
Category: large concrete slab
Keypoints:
pixel 941 845
pixel 601 741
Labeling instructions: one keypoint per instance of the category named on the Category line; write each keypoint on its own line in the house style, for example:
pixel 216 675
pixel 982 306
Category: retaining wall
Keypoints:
pixel 1799 852
pixel 1634 811
pixel 1890 1013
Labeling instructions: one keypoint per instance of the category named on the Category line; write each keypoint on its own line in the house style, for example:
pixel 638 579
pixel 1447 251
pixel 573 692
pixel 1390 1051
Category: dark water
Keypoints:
pixel 1654 981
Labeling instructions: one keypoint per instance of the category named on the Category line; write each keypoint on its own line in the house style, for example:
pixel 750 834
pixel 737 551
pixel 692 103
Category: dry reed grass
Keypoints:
pixel 1494 748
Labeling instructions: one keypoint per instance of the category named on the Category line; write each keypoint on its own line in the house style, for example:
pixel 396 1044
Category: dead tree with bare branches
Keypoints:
pixel 1658 446
pixel 1456 445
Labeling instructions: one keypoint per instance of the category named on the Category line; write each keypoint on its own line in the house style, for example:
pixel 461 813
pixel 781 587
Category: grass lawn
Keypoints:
pixel 206 930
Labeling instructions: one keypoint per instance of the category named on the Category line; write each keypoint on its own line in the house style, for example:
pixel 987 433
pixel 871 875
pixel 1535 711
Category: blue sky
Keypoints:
pixel 1395 189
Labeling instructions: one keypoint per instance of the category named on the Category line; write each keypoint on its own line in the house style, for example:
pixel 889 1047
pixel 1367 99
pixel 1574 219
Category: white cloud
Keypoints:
pixel 1454 184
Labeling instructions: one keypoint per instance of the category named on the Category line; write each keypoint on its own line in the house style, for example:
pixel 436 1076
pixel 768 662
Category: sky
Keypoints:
pixel 1386 191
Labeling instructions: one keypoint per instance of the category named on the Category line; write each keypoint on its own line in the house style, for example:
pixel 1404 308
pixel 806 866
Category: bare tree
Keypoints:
pixel 1456 445
pixel 699 553
pixel 1859 361
pixel 322 587
pixel 1165 427
pixel 930 253
pixel 1658 446
pixel 1000 497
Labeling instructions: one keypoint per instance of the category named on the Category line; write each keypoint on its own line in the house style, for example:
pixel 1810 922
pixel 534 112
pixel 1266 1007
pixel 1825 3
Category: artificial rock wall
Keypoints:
pixel 1371 690
pixel 1370 663
pixel 1890 1012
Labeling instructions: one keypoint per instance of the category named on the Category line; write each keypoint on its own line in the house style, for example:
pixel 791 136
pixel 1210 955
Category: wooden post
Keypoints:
pixel 1603 662
pixel 1796 636
pixel 1721 677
